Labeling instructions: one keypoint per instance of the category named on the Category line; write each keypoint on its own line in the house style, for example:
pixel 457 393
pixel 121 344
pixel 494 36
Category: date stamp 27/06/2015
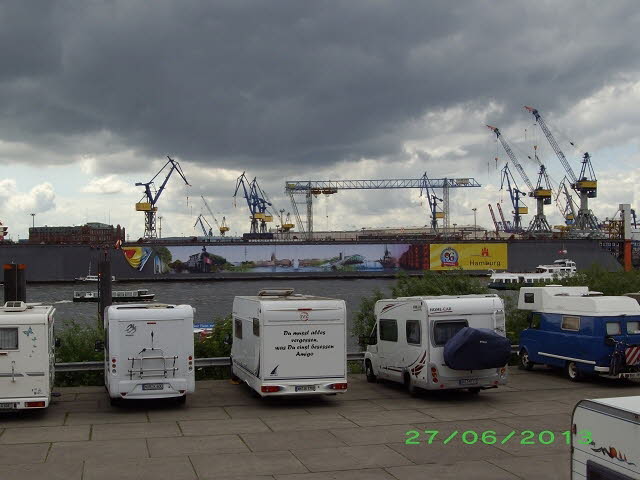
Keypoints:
pixel 490 437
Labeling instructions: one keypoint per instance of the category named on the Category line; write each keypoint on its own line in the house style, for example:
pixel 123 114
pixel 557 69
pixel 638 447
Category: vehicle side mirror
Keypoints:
pixel 99 347
pixel 57 343
pixel 227 340
pixel 610 341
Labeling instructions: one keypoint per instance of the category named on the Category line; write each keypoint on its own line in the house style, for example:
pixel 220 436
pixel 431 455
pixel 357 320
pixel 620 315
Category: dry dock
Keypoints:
pixel 225 433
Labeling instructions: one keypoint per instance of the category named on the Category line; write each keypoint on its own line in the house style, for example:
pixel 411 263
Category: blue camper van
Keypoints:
pixel 580 331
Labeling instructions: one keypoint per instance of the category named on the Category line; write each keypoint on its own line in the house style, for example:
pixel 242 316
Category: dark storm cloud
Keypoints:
pixel 253 84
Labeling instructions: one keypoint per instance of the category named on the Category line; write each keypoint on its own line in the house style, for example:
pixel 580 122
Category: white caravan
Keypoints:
pixel 149 351
pixel 27 359
pixel 605 439
pixel 411 333
pixel 287 344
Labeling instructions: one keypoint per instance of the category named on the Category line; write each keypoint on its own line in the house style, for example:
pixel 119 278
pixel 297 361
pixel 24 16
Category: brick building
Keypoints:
pixel 91 234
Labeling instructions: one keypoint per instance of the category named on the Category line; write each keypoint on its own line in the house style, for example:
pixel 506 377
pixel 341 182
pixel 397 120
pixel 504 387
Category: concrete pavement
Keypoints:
pixel 224 432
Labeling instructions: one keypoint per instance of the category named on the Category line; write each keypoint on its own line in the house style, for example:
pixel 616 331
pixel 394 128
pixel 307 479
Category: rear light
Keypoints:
pixel 182 391
pixel 434 370
pixel 338 386
pixel 269 389
pixel 190 362
pixel 502 371
pixel 435 379
pixel 434 375
pixel 34 404
pixel 190 357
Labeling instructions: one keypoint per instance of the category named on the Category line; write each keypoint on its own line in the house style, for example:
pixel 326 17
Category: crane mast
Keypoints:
pixel 586 185
pixel 201 220
pixel 257 202
pixel 515 194
pixel 434 202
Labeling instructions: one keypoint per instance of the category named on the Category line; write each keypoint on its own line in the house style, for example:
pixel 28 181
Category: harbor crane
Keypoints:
pixel 147 203
pixel 222 226
pixel 516 195
pixel 257 202
pixel 586 185
pixel 434 202
pixel 201 220
pixel 311 188
pixel 542 191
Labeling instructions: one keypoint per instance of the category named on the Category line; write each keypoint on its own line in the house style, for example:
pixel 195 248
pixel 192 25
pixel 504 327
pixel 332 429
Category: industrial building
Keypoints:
pixel 93 233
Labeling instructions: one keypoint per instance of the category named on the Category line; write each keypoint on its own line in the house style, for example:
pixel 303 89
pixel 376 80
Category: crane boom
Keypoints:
pixel 512 156
pixel 433 200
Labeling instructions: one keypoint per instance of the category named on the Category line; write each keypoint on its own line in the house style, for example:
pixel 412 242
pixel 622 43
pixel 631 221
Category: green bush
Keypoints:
pixel 609 283
pixel 77 344
pixel 214 346
pixel 365 319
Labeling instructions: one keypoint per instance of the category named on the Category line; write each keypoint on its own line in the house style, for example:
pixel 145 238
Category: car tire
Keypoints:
pixel 525 363
pixel 234 377
pixel 115 401
pixel 474 391
pixel 181 400
pixel 572 372
pixel 368 369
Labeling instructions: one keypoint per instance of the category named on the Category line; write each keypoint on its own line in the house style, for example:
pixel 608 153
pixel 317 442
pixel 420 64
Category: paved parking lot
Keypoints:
pixel 226 433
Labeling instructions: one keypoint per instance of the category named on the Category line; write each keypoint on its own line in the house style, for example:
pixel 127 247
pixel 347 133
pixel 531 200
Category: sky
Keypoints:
pixel 94 95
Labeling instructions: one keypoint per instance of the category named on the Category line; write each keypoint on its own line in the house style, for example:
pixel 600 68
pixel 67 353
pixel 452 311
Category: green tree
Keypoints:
pixel 164 254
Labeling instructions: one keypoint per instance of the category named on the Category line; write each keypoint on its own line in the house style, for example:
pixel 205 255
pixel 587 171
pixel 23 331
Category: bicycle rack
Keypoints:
pixel 152 354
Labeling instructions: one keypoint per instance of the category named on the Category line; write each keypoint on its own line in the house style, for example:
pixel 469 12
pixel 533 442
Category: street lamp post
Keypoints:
pixel 33 220
pixel 475 223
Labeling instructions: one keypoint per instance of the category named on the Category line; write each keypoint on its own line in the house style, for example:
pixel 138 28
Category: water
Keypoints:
pixel 211 299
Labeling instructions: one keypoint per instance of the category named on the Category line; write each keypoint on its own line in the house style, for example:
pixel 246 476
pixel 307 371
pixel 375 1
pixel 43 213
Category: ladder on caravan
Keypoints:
pixel 149 354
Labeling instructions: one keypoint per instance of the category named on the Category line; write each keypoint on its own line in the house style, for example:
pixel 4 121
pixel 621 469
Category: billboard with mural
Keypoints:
pixel 211 258
pixel 468 256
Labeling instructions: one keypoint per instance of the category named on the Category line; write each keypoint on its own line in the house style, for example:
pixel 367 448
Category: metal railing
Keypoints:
pixel 199 362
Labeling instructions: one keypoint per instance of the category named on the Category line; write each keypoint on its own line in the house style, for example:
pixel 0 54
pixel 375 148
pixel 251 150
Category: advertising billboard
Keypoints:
pixel 468 256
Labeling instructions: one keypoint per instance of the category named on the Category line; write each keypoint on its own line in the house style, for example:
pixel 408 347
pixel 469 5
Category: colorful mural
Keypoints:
pixel 137 256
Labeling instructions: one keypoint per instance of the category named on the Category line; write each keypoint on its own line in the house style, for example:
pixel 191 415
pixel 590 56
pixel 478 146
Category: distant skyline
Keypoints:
pixel 94 95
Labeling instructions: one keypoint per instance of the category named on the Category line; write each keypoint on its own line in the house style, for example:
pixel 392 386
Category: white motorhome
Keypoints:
pixel 605 438
pixel 410 336
pixel 27 355
pixel 149 351
pixel 287 344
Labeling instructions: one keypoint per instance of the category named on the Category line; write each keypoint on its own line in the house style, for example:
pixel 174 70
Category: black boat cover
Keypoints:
pixel 476 349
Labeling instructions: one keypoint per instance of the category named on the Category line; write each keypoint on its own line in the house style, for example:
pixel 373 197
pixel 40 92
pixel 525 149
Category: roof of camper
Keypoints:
pixel 444 297
pixel 296 297
pixel 27 314
pixel 579 300
pixel 629 404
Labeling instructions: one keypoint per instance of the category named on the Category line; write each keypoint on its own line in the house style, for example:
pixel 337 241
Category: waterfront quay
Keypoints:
pixel 224 432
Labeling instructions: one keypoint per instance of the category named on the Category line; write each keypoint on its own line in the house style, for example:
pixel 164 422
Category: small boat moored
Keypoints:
pixel 543 274
pixel 140 295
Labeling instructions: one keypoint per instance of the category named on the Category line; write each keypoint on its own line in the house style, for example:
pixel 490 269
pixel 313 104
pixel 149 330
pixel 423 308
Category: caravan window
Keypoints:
pixel 613 328
pixel 443 331
pixel 529 298
pixel 389 330
pixel 633 328
pixel 8 339
pixel 413 332
pixel 237 324
pixel 570 323
pixel 598 471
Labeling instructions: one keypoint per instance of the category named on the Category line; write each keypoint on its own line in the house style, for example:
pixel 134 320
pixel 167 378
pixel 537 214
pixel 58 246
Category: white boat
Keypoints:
pixel 93 278
pixel 543 274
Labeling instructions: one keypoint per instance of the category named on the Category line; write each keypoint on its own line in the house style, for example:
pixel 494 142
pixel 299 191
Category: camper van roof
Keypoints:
pixel 446 297
pixel 577 300
pixel 296 297
pixel 20 313
pixel 629 404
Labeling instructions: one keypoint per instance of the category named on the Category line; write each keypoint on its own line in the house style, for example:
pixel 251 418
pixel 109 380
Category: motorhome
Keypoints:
pixel 604 439
pixel 581 331
pixel 149 351
pixel 287 344
pixel 27 355
pixel 411 334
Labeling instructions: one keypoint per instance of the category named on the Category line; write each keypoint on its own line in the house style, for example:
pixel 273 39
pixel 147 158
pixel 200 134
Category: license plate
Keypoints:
pixel 6 406
pixel 152 386
pixel 469 381
pixel 305 388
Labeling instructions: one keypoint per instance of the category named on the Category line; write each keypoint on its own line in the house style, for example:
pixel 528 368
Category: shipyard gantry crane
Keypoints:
pixel 542 191
pixel 257 202
pixel 222 227
pixel 147 203
pixel 586 185
pixel 516 195
pixel 310 188
pixel 201 220
pixel 434 202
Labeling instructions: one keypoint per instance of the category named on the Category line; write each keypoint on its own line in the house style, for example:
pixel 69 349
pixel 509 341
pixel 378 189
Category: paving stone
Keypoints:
pixel 75 406
pixel 517 448
pixel 242 411
pixel 221 427
pixel 391 417
pixel 537 408
pixel 45 434
pixel 308 422
pixel 176 446
pixel 29 453
pixel 479 426
pixel 42 471
pixel 349 458
pixel 343 406
pixel 269 441
pixel 364 474
pixel 32 418
pixel 103 449
pixel 467 412
pixel 478 470
pixel 372 435
pixel 455 451
pixel 239 464
pixel 203 413
pixel 135 430
pixel 549 467
pixel 175 468
pixel 97 418
pixel 556 423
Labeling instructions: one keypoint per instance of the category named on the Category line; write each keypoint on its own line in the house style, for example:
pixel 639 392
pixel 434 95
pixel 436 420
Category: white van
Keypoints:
pixel 605 439
pixel 410 335
pixel 27 355
pixel 149 351
pixel 287 344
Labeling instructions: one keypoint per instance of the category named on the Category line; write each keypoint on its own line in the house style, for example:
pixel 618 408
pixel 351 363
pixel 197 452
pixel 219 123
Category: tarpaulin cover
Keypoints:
pixel 476 349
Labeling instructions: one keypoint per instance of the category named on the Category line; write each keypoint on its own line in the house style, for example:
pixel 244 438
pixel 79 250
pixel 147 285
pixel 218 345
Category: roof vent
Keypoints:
pixel 275 292
pixel 15 307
